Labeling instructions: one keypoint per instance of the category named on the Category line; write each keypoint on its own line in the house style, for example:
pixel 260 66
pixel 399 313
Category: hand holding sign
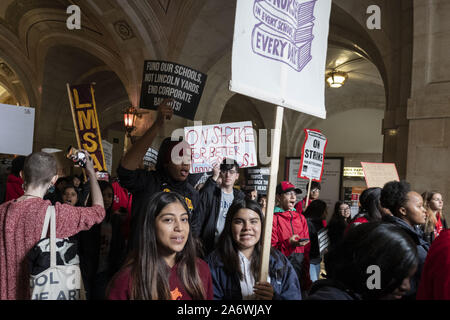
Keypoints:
pixel 165 111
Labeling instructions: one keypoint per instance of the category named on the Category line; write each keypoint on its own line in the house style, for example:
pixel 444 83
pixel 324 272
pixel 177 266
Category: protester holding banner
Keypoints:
pixel 21 221
pixel 216 200
pixel 14 182
pixel 315 214
pixel 376 261
pixel 313 195
pixel 235 262
pixel 290 232
pixel 408 212
pixel 170 175
pixel 164 265
pixel 435 221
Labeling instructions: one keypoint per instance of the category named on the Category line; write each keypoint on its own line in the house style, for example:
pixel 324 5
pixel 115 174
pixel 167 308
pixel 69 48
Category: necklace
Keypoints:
pixel 30 195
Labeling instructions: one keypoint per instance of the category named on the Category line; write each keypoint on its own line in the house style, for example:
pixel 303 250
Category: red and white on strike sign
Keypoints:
pixel 313 155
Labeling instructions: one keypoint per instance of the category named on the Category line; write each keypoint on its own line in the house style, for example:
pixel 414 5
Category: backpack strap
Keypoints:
pixel 52 237
pixel 46 221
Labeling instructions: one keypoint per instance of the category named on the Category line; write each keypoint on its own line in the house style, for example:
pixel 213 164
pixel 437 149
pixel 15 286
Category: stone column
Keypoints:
pixel 429 106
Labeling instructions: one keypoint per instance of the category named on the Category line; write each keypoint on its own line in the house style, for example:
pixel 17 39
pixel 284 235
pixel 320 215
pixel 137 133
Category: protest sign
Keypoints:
pixel 378 174
pixel 151 157
pixel 279 52
pixel 108 151
pixel 313 154
pixel 258 178
pixel 212 143
pixel 182 84
pixel 85 120
pixel 17 129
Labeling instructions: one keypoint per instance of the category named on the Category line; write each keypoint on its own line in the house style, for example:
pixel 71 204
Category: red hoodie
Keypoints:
pixel 435 279
pixel 13 188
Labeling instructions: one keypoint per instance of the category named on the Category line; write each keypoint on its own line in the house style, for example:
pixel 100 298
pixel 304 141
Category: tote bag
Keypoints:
pixel 55 272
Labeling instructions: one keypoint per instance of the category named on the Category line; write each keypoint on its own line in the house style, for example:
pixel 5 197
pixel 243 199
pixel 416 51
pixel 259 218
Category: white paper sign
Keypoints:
pixel 211 144
pixel 313 154
pixel 16 129
pixel 108 152
pixel 279 52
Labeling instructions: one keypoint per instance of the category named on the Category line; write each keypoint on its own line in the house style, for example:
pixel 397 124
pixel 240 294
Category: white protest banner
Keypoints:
pixel 16 129
pixel 313 154
pixel 377 174
pixel 212 143
pixel 108 151
pixel 279 52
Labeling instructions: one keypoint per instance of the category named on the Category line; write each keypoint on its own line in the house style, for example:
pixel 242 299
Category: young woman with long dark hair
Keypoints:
pixel 164 266
pixel 435 221
pixel 236 262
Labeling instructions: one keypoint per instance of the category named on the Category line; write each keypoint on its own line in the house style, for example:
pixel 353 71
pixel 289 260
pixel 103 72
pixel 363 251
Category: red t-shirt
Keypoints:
pixel 439 226
pixel 121 284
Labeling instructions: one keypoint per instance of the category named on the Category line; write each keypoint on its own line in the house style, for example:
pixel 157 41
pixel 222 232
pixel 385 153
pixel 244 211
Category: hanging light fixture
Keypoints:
pixel 336 79
pixel 129 119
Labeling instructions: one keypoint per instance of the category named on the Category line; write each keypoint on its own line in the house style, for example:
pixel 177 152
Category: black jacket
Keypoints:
pixel 210 196
pixel 89 243
pixel 143 184
pixel 314 226
pixel 329 289
pixel 422 249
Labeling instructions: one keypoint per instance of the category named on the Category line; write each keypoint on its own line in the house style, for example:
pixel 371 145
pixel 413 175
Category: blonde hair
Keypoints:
pixel 430 220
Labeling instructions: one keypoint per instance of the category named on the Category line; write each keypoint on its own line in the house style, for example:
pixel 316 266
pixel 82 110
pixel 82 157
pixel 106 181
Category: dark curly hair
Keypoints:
pixel 393 195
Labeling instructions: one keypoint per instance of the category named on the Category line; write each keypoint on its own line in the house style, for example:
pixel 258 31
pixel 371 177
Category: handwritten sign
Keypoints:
pixel 84 112
pixel 313 155
pixel 211 144
pixel 378 174
pixel 279 51
pixel 182 84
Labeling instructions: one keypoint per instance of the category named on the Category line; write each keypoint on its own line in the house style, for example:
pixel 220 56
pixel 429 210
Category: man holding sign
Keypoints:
pixel 172 170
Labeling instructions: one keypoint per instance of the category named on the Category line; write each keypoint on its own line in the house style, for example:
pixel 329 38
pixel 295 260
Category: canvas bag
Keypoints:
pixel 55 272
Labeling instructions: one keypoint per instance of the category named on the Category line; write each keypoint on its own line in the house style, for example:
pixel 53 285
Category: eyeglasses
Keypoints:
pixel 290 193
pixel 229 171
pixel 315 190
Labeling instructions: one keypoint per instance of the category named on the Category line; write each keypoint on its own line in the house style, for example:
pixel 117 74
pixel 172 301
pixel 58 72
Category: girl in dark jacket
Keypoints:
pixel 408 214
pixel 374 261
pixel 236 262
pixel 338 222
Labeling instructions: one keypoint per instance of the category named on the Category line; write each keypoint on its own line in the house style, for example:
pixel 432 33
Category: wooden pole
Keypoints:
pixel 267 228
pixel 72 109
pixel 309 191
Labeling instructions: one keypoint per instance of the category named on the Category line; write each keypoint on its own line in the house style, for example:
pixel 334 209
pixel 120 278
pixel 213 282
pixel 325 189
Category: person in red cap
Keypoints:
pixel 290 232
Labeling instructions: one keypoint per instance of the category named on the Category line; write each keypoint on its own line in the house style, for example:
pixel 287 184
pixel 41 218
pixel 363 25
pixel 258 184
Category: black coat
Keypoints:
pixel 143 184
pixel 210 196
pixel 328 289
pixel 422 249
pixel 89 243
pixel 314 226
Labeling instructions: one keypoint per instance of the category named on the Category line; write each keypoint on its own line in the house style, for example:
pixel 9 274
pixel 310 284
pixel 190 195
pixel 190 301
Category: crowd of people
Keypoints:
pixel 156 235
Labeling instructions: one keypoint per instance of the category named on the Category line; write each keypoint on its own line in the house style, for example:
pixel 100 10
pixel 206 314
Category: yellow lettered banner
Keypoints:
pixel 85 120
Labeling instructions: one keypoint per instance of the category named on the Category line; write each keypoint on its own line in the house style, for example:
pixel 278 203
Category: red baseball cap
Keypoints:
pixel 286 186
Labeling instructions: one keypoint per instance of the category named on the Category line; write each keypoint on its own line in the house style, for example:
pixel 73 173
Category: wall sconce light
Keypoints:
pixel 129 119
pixel 336 79
pixel 392 132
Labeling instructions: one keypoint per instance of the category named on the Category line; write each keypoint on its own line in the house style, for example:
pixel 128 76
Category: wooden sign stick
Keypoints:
pixel 267 228
pixel 309 191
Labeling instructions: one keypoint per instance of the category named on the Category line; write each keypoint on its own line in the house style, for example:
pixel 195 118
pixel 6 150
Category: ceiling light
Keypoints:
pixel 336 79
